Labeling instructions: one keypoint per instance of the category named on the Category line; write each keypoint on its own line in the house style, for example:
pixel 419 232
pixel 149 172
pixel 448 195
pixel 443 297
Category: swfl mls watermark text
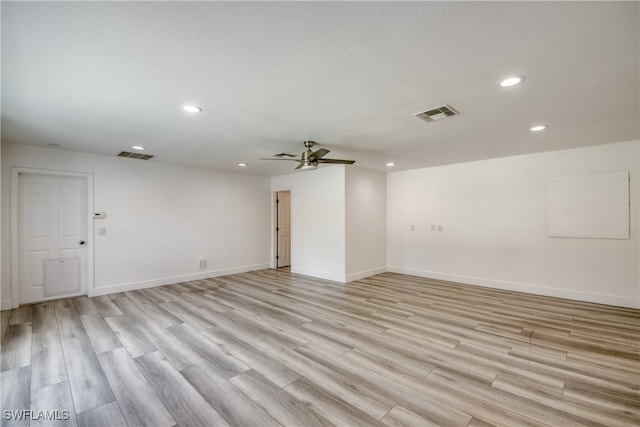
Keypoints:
pixel 30 414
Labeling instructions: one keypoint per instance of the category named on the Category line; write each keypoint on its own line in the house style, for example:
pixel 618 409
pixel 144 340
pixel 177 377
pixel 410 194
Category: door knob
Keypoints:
pixel 82 242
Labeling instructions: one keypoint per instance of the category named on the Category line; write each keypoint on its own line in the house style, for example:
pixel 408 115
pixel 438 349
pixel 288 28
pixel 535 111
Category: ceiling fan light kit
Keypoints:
pixel 309 159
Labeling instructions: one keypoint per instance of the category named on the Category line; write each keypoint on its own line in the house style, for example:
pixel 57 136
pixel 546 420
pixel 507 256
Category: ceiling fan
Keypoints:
pixel 309 159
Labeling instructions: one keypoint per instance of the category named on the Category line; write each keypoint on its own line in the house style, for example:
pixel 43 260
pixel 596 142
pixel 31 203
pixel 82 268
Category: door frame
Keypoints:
pixel 15 225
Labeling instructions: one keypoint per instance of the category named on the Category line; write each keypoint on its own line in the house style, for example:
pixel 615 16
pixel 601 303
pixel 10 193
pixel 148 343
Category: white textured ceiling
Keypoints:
pixel 100 77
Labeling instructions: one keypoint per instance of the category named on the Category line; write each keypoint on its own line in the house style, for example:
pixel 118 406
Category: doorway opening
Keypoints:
pixel 283 229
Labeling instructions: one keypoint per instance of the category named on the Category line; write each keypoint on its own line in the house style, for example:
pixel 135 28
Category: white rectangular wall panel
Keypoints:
pixel 590 206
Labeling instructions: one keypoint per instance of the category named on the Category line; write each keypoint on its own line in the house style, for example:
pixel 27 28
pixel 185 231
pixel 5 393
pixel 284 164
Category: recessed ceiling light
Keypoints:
pixel 137 147
pixel 243 165
pixel 511 81
pixel 189 108
pixel 390 164
pixel 538 128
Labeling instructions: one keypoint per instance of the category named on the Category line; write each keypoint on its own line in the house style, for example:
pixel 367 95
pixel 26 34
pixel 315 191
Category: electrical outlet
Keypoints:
pixel 203 263
pixel 433 227
pixel 413 228
pixel 439 228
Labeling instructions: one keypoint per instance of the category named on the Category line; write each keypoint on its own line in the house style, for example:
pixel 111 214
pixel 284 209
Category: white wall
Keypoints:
pixel 161 219
pixel 366 219
pixel 317 220
pixel 338 221
pixel 493 213
pixel 495 226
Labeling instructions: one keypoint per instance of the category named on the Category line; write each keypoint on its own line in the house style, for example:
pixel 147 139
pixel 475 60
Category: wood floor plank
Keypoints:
pixel 322 343
pixel 44 317
pixel 22 314
pixel 345 387
pixel 475 422
pixel 399 416
pixel 85 305
pixel 428 408
pixel 53 406
pixel 601 400
pixel 540 413
pixel 555 399
pixel 209 302
pixel 47 359
pixel 16 348
pixel 131 310
pixel 329 406
pixel 276 372
pixel 133 340
pixel 106 307
pixel 179 355
pixel 183 312
pixel 69 323
pixel 184 403
pixel 256 306
pixel 137 401
pixel 446 395
pixel 265 328
pixel 287 410
pixel 4 323
pixel 47 365
pixel 238 330
pixel 100 334
pixel 18 400
pixel 159 314
pixel 391 367
pixel 579 345
pixel 108 415
pixel 224 363
pixel 234 406
pixel 63 303
pixel 596 376
pixel 88 384
pixel 157 295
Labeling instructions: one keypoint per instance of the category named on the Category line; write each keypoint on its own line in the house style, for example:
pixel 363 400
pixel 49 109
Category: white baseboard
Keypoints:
pixel 340 278
pixel 522 287
pixel 319 274
pixel 6 304
pixel 134 286
pixel 362 274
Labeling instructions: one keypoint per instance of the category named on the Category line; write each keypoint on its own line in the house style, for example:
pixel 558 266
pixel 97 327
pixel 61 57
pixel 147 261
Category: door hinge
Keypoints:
pixel 277 200
pixel 277 256
pixel 277 228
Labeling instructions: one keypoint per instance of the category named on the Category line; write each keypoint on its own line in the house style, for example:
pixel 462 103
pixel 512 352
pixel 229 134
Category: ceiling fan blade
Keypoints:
pixel 299 166
pixel 319 153
pixel 284 155
pixel 278 158
pixel 337 161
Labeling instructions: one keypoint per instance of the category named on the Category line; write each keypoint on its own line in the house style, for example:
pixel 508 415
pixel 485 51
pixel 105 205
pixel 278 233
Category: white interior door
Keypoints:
pixel 283 229
pixel 52 237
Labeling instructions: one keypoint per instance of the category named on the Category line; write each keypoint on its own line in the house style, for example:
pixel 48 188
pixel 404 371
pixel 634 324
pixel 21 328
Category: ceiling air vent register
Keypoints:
pixel 130 155
pixel 437 113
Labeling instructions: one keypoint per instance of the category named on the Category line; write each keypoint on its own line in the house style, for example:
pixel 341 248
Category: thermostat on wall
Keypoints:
pixel 99 215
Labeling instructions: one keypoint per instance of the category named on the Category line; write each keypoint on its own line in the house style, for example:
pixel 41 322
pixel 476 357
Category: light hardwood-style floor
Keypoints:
pixel 271 348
